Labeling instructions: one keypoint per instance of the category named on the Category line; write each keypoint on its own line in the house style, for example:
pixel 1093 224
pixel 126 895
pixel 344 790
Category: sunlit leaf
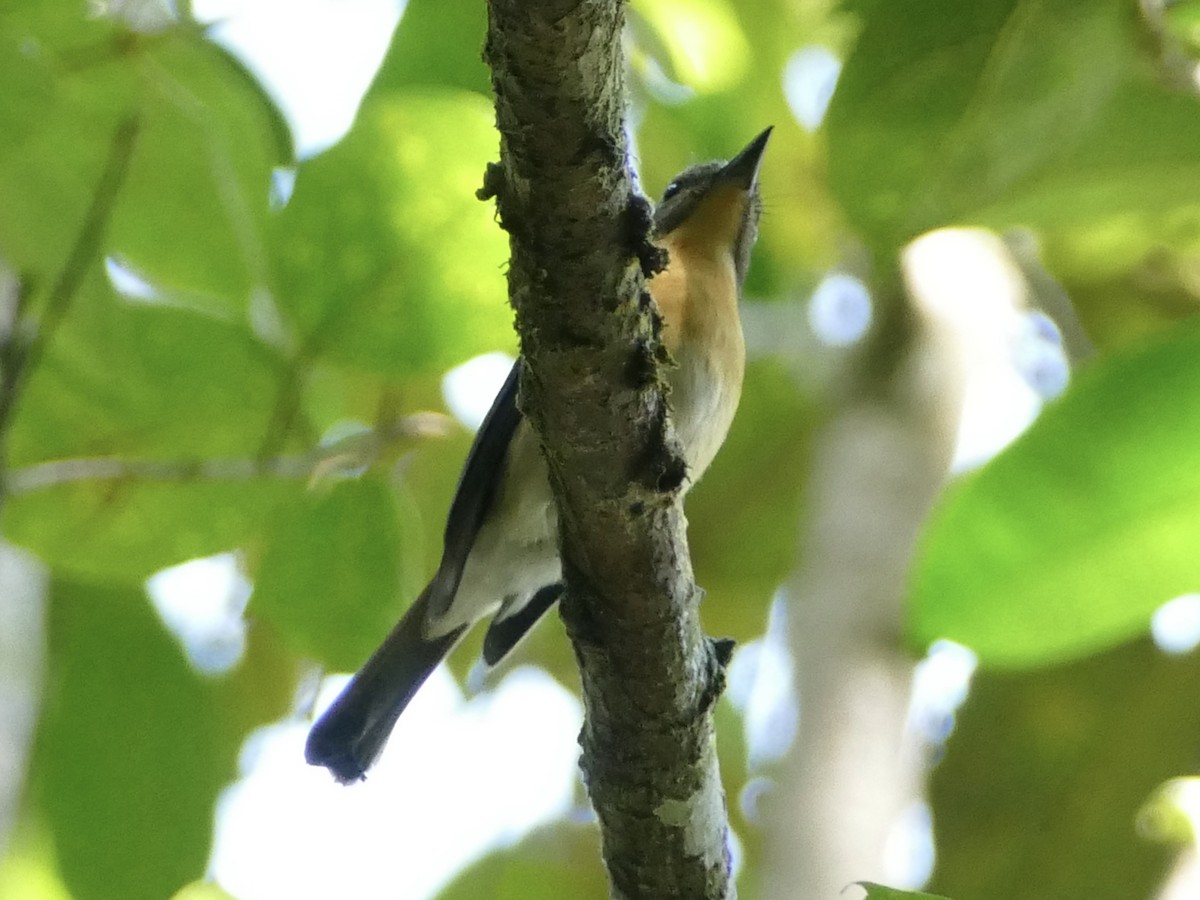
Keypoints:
pixel 1068 541
pixel 59 26
pixel 1115 170
pixel 708 48
pixel 191 212
pixel 1182 19
pixel 202 890
pixel 1158 280
pixel 56 133
pixel 1004 112
pixel 384 255
pixel 192 215
pixel 262 688
pixel 879 892
pixel 28 869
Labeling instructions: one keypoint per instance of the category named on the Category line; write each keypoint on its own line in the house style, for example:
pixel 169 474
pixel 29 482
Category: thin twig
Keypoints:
pixel 28 340
pixel 351 454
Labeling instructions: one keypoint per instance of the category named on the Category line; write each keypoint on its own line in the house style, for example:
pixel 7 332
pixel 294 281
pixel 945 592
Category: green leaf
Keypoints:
pixel 331 574
pixel 1115 172
pixel 191 214
pixel 1105 266
pixel 384 256
pixel 202 890
pixel 124 530
pixel 1004 112
pixel 151 381
pixel 262 688
pixel 437 43
pixel 130 752
pixel 557 860
pixel 708 50
pixel 55 26
pixel 879 892
pixel 55 137
pixel 1053 766
pixel 1182 19
pixel 1068 541
pixel 29 870
pixel 192 217
pixel 147 384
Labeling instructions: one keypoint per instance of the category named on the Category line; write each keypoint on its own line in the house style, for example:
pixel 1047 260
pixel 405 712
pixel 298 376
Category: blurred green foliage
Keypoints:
pixel 329 562
pixel 115 672
pixel 390 214
pixel 880 892
pixel 1071 754
pixel 271 323
pixel 1070 540
pixel 553 859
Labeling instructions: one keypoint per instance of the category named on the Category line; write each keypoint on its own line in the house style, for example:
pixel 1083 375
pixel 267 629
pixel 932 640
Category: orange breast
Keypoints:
pixel 697 295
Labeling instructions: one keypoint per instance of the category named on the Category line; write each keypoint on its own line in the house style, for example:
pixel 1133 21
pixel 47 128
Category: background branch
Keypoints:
pixel 352 453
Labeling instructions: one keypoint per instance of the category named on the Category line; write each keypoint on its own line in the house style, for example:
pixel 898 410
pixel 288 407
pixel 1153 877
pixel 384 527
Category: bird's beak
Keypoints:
pixel 742 170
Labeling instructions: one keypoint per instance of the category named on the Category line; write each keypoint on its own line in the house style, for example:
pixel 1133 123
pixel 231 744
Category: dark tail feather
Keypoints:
pixel 352 732
pixel 505 633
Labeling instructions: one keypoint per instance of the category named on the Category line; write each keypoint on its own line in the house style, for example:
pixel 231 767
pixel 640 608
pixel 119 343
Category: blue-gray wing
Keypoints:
pixel 352 732
pixel 477 487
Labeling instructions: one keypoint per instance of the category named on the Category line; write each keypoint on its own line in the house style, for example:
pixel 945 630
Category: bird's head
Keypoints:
pixel 716 204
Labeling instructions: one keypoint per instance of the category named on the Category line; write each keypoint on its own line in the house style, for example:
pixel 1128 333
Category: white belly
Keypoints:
pixel 516 551
pixel 704 407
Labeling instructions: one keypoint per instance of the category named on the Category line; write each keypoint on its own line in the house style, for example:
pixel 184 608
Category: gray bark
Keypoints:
pixel 593 391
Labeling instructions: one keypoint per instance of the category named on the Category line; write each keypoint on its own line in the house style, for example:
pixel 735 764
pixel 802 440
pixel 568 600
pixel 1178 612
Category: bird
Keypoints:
pixel 501 553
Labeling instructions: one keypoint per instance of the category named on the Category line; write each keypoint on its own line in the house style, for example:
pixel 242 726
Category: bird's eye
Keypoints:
pixel 672 189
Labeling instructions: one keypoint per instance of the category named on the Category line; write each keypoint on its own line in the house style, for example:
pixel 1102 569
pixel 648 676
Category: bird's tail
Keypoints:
pixel 352 732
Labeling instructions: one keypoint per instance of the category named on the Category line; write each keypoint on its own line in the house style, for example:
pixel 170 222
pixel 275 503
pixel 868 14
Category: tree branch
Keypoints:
pixel 355 452
pixel 591 387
